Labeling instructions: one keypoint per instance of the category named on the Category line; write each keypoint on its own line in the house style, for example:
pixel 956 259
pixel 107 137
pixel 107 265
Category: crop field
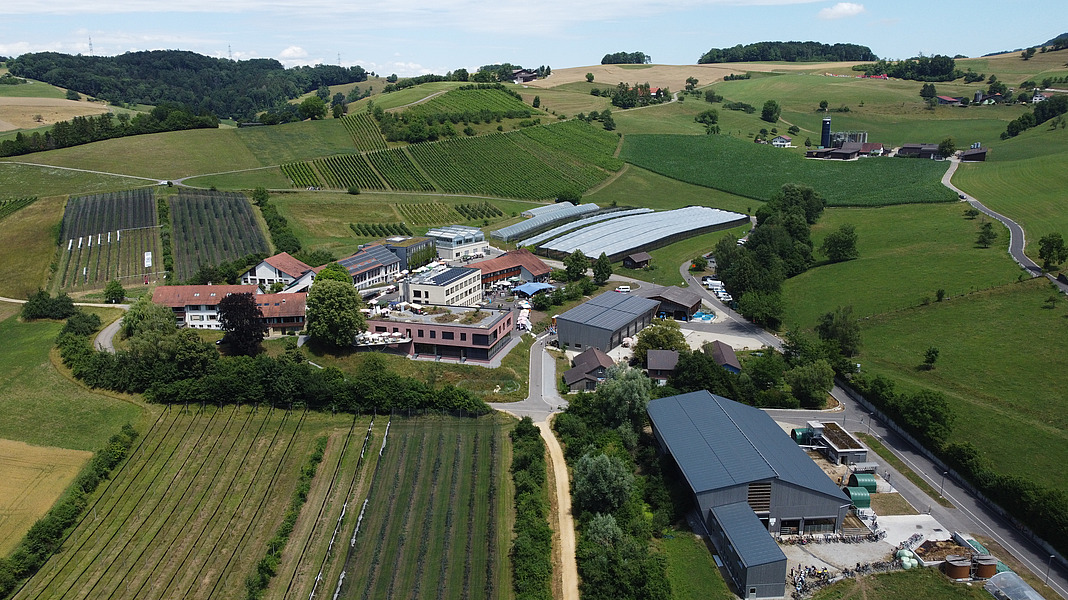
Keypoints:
pixel 34 478
pixel 1007 370
pixel 341 171
pixel 427 213
pixel 436 522
pixel 469 101
pixel 190 512
pixel 106 236
pixel 302 175
pixel 212 227
pixel 399 171
pixel 758 171
pixel 8 207
pixel 364 131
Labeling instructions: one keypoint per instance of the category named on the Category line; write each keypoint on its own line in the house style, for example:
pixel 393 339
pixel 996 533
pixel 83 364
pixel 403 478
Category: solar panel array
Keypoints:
pixel 621 235
pixel 555 231
pixel 519 229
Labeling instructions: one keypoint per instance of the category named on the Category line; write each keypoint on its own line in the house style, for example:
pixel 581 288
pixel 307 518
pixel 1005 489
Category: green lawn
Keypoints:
pixel 929 584
pixel 33 89
pixel 292 142
pixel 907 253
pixel 266 177
pixel 758 171
pixel 691 569
pixel 42 180
pixel 28 246
pixel 1000 365
pixel 1025 179
pixel 43 407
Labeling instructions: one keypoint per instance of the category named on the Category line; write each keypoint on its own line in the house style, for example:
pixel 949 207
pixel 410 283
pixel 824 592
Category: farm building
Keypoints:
pixel 449 286
pixel 406 247
pixel 280 268
pixel 736 457
pixel 638 260
pixel 837 444
pixel 546 209
pixel 371 265
pixel 949 100
pixel 283 313
pixel 517 265
pixel 523 76
pixel 460 334
pixel 661 364
pixel 603 321
pixel 723 355
pixel 974 155
pixel 675 302
pixel 919 150
pixel 197 306
pixel 542 220
pixel 582 222
pixel 782 141
pixel 588 369
pixel 457 241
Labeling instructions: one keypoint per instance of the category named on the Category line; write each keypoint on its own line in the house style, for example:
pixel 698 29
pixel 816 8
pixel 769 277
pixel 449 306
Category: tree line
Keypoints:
pixel 924 68
pixel 789 52
pixel 1042 112
pixel 84 130
pixel 238 89
pixel 626 58
pixel 532 545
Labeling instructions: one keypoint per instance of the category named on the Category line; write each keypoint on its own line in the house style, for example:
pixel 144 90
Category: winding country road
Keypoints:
pixel 103 339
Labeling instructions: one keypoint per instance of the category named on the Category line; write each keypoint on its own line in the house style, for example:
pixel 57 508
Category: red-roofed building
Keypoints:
pixel 197 306
pixel 283 313
pixel 280 268
pixel 517 263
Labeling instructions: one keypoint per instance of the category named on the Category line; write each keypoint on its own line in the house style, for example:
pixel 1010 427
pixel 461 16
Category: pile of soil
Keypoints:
pixel 934 550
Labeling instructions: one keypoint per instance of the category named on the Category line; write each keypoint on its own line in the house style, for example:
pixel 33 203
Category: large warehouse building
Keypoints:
pixel 747 476
pixel 603 321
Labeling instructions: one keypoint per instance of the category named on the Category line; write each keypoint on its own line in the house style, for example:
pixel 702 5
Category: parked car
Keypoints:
pixel 962 196
pixel 623 289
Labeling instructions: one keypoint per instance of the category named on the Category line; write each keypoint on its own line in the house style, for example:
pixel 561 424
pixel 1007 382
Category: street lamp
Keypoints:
pixel 870 417
pixel 1048 564
pixel 942 487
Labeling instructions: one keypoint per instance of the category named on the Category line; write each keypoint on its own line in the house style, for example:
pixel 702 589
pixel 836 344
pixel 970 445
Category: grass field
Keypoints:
pixel 291 142
pixel 437 519
pixel 40 405
pixel 691 569
pixel 898 464
pixel 1007 369
pixel 929 584
pixel 190 512
pixel 28 245
pixel 639 187
pixel 266 177
pixel 1024 179
pixel 33 478
pixel 928 247
pixel 758 171
pixel 33 89
pixel 42 180
pixel 34 112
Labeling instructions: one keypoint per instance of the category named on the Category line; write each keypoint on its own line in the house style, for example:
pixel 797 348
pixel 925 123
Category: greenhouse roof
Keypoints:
pixel 548 208
pixel 555 231
pixel 626 233
pixel 514 231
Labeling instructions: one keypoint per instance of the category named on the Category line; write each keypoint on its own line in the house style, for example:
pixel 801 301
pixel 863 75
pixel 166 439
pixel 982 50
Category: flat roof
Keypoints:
pixel 492 316
pixel 609 311
pixel 747 535
pixel 720 443
pixel 443 276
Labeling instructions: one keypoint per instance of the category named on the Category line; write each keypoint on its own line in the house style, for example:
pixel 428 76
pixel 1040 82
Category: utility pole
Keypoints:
pixel 1049 563
pixel 90 45
pixel 942 487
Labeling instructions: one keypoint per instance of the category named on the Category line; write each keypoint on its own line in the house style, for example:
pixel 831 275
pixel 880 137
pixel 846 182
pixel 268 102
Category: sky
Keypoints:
pixel 413 37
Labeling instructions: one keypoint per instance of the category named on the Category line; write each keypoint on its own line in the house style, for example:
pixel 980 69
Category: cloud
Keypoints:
pixel 841 10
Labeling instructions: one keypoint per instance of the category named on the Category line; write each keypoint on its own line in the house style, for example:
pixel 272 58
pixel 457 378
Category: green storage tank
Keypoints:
pixel 801 435
pixel 864 480
pixel 858 496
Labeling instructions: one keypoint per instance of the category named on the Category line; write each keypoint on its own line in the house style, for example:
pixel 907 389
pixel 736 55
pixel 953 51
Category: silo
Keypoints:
pixel 864 480
pixel 957 567
pixel 986 566
pixel 825 137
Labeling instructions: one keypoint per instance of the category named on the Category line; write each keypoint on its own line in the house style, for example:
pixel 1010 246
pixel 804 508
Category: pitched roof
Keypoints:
pixel 609 311
pixel 662 360
pixel 287 264
pixel 576 374
pixel 640 256
pixel 747 535
pixel 178 296
pixel 510 260
pixel 719 443
pixel 671 293
pixel 282 305
pixel 592 358
pixel 371 256
pixel 724 355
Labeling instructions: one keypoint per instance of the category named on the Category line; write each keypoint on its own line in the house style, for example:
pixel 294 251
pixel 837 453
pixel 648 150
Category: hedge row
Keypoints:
pixel 532 547
pixel 48 533
pixel 283 237
pixel 256 584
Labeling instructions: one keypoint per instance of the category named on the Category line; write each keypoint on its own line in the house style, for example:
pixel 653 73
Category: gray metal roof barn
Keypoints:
pixel 733 456
pixel 603 321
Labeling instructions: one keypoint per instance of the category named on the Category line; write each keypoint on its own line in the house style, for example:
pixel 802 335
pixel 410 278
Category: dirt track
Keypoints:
pixel 565 521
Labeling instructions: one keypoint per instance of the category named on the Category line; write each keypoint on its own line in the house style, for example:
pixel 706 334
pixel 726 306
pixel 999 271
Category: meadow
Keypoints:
pixel 915 583
pixel 691 569
pixel 1005 368
pixel 27 246
pixel 439 506
pixel 907 253
pixel 759 171
pixel 190 512
pixel 42 180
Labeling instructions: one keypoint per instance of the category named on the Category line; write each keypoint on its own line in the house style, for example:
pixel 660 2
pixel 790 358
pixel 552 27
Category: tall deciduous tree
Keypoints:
pixel 811 383
pixel 333 314
pixel 335 272
pixel 114 293
pixel 602 269
pixel 243 323
pixel 771 111
pixel 313 108
pixel 659 335
pixel 1051 250
pixel 840 245
pixel 842 327
pixel 602 483
pixel 576 264
pixel 987 235
pixel 947 147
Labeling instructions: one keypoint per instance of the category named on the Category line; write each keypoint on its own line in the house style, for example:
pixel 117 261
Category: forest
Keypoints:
pixel 228 88
pixel 789 52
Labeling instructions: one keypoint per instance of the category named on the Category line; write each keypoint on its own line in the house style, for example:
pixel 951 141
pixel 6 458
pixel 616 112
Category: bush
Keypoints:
pixel 41 305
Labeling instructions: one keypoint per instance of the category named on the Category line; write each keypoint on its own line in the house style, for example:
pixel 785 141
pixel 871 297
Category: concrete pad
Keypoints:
pixel 697 338
pixel 900 528
pixel 835 556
